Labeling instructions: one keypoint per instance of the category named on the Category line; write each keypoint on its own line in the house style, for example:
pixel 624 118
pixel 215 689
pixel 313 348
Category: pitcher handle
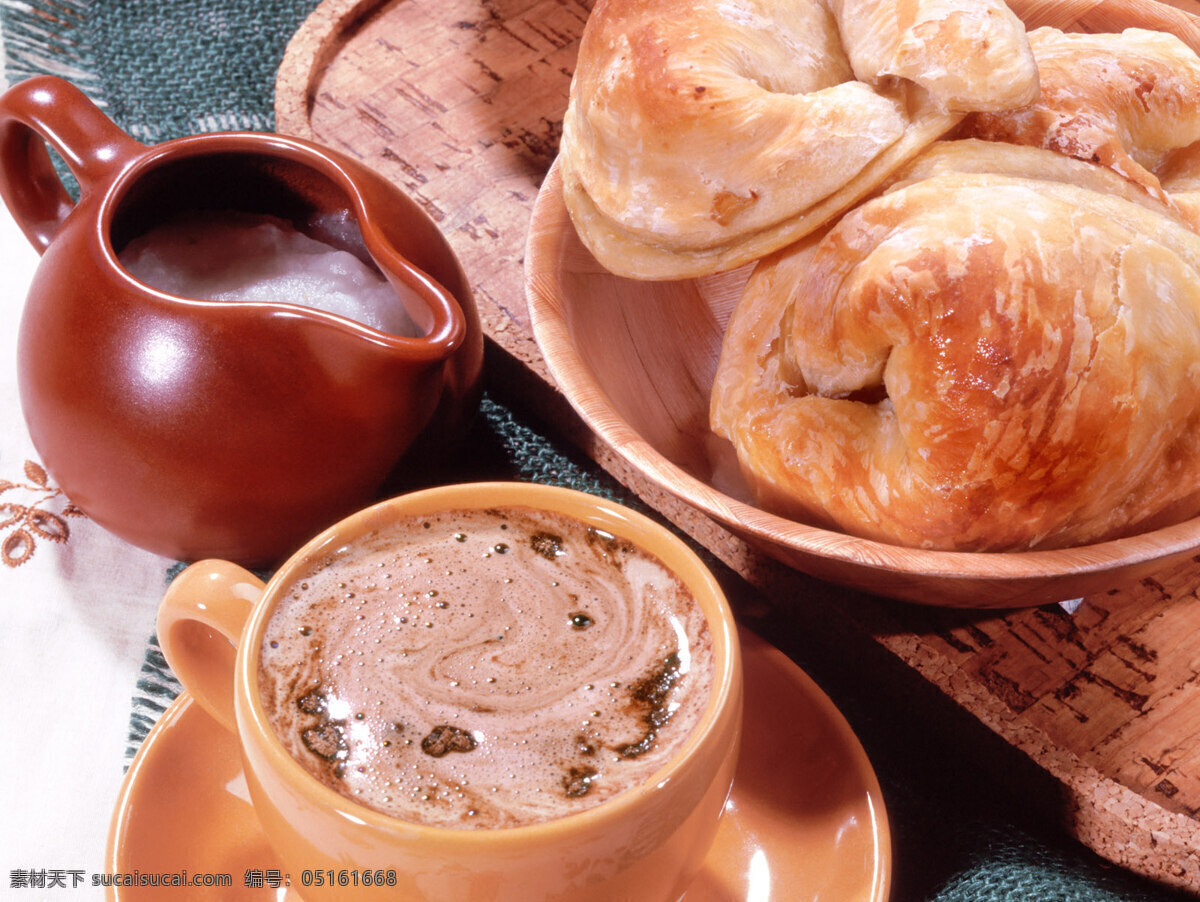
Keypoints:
pixel 50 110
pixel 200 623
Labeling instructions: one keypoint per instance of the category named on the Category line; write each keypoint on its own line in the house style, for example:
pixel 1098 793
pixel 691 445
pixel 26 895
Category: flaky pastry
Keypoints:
pixel 1128 101
pixel 704 134
pixel 975 361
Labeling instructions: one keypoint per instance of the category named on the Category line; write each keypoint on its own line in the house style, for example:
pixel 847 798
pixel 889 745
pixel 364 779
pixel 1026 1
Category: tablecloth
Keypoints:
pixel 82 675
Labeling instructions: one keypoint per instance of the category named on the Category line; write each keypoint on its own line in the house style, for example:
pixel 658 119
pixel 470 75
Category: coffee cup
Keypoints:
pixel 490 691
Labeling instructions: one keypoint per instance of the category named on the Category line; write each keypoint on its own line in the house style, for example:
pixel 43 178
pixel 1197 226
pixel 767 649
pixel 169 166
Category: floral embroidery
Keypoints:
pixel 24 524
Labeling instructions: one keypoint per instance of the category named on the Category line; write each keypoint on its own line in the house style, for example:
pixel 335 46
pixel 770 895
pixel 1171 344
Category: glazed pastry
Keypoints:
pixel 702 135
pixel 1128 101
pixel 975 361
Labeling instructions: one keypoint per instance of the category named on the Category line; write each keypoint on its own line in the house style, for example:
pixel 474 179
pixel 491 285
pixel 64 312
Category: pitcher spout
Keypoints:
pixel 434 310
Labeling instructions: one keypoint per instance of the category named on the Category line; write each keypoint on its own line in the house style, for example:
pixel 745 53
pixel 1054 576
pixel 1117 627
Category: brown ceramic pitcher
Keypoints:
pixel 230 429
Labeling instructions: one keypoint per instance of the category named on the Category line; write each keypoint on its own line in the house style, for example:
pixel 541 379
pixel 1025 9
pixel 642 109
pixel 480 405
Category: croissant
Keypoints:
pixel 704 134
pixel 975 360
pixel 1128 101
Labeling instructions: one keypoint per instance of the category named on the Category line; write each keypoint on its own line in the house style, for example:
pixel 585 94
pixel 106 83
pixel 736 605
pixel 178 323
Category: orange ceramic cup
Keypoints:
pixel 643 845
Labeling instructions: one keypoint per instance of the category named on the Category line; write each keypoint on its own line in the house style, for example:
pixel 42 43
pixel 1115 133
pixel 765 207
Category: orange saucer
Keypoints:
pixel 805 820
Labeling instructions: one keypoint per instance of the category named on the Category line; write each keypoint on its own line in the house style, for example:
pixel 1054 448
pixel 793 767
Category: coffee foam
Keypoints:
pixel 485 668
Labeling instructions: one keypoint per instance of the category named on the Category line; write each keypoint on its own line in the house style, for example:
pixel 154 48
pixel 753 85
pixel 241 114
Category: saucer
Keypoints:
pixel 805 819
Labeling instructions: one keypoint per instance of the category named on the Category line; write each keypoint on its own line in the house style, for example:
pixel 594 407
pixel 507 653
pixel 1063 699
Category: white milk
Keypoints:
pixel 232 256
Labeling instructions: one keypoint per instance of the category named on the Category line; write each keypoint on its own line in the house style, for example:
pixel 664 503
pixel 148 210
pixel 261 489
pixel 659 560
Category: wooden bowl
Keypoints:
pixel 637 359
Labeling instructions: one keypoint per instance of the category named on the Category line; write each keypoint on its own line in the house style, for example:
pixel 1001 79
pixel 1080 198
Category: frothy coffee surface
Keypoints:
pixel 485 668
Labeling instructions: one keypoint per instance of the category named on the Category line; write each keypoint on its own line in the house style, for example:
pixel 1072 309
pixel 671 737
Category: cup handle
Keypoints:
pixel 50 110
pixel 200 622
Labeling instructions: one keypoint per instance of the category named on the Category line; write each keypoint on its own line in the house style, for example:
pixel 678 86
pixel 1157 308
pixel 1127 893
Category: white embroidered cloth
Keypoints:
pixel 78 605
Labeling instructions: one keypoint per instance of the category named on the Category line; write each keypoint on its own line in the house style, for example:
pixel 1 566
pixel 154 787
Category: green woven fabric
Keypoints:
pixel 160 69
pixel 173 67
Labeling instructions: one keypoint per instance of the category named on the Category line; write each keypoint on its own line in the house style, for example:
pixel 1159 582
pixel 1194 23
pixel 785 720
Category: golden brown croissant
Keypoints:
pixel 704 134
pixel 975 361
pixel 1128 101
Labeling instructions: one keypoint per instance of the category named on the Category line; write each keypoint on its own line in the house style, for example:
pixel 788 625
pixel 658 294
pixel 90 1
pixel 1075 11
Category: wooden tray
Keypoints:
pixel 460 102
